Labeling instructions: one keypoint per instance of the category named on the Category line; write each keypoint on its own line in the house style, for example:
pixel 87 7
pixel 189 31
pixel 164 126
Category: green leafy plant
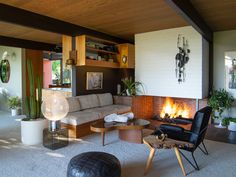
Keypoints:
pixel 14 102
pixel 131 87
pixel 34 100
pixel 220 100
pixel 227 120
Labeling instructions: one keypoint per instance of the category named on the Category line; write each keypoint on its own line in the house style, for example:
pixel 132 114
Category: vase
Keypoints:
pixel 14 112
pixel 220 125
pixel 32 131
pixel 127 92
pixel 232 126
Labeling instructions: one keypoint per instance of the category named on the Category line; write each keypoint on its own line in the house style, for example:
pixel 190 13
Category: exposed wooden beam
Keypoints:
pixel 22 43
pixel 190 14
pixel 26 18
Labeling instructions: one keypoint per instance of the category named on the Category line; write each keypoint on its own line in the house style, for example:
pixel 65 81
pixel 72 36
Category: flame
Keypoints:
pixel 173 110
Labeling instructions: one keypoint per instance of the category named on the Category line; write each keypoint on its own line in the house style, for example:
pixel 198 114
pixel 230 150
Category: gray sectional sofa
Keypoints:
pixel 86 109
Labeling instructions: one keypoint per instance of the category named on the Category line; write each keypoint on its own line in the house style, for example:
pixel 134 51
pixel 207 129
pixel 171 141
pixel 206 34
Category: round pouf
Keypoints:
pixel 94 164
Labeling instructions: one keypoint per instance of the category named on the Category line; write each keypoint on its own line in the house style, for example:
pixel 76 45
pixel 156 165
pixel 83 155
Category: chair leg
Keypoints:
pixel 195 166
pixel 204 150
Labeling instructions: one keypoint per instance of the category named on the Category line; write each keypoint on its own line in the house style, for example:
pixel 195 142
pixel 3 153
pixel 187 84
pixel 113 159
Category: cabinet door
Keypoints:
pixel 126 55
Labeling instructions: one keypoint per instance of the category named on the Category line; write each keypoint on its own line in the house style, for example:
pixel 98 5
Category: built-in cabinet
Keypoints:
pixel 126 56
pixel 96 52
pixel 92 51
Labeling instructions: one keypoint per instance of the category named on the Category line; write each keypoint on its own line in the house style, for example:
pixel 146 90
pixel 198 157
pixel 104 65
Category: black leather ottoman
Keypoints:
pixel 94 164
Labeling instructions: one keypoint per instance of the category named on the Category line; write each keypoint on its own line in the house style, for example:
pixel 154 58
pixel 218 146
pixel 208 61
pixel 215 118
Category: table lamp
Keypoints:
pixel 54 108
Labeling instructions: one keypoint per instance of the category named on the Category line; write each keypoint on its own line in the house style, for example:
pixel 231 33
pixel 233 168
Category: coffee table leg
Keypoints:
pixel 180 160
pixel 103 138
pixel 149 161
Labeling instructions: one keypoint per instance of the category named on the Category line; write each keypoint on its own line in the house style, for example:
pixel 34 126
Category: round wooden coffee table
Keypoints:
pixel 130 131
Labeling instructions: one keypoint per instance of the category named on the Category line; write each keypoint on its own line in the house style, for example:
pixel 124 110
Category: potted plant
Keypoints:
pixel 32 126
pixel 220 100
pixel 230 122
pixel 14 103
pixel 131 88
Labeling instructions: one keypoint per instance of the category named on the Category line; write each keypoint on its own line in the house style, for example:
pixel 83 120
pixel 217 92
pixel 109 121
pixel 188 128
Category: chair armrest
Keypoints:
pixel 173 128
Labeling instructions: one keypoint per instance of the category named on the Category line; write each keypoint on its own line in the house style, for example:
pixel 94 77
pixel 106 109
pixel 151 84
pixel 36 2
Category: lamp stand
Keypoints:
pixel 54 125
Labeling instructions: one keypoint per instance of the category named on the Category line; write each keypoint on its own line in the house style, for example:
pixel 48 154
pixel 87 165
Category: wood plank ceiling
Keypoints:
pixel 218 14
pixel 121 18
pixel 21 32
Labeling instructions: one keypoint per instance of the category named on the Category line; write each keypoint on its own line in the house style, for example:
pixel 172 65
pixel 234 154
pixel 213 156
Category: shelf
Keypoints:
pixel 106 64
pixel 102 51
pixel 104 41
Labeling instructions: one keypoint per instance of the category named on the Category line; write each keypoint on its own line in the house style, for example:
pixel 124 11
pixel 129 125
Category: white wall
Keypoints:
pixel 14 86
pixel 223 41
pixel 155 63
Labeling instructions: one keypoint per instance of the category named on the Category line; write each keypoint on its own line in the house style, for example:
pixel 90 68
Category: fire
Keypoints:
pixel 173 110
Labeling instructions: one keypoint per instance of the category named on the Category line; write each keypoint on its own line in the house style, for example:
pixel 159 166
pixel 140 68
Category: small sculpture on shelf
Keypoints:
pixel 181 58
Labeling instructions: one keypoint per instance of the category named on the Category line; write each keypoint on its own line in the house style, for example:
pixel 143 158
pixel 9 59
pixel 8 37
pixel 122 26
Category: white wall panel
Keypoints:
pixel 155 63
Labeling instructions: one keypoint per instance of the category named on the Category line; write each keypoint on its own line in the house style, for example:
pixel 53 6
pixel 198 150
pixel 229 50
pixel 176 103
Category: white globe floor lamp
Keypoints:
pixel 55 108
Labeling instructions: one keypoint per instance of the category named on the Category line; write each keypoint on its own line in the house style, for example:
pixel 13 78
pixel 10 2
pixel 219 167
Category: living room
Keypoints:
pixel 114 88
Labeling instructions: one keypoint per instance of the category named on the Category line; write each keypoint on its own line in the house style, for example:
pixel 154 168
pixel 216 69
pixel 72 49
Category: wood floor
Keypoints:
pixel 222 135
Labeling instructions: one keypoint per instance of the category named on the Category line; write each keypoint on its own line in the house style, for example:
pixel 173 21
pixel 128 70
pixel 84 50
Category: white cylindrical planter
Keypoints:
pixel 32 131
pixel 232 126
pixel 14 112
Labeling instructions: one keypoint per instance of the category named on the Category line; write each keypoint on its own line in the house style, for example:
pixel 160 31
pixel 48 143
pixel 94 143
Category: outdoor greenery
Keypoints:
pixel 33 101
pixel 14 102
pixel 131 87
pixel 220 100
pixel 56 69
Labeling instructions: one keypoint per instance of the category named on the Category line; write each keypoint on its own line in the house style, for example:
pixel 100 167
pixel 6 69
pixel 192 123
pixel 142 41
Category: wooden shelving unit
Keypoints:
pixel 101 51
pixel 106 64
pixel 86 53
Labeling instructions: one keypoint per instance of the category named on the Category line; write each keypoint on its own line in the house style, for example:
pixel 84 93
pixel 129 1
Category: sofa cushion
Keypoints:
pixel 73 104
pixel 88 101
pixel 80 117
pixel 102 111
pixel 106 110
pixel 120 109
pixel 105 99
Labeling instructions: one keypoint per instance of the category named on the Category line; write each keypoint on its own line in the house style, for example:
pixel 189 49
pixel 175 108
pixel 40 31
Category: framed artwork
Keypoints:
pixel 230 72
pixel 94 80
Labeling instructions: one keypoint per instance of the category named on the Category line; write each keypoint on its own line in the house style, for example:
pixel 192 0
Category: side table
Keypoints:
pixel 153 143
pixel 55 139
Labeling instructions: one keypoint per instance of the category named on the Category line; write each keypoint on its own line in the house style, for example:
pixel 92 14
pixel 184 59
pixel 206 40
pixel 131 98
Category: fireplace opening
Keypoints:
pixel 173 109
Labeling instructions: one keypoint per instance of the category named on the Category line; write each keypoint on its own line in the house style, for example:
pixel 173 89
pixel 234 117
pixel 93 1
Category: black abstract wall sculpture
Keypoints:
pixel 181 58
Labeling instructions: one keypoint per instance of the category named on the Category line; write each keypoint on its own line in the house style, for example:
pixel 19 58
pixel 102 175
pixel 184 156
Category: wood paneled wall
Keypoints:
pixel 36 56
pixel 111 77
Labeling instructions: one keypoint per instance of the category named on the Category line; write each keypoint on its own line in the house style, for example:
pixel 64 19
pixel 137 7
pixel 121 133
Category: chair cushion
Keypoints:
pixel 88 101
pixel 80 117
pixel 105 99
pixel 74 104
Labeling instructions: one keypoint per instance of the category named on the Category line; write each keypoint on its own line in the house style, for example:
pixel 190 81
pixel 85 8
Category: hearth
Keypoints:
pixel 177 120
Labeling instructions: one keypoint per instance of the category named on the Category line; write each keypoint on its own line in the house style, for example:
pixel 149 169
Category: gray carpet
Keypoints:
pixel 17 160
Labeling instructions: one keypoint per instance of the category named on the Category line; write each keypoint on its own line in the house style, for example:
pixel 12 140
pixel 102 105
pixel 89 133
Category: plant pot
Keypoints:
pixel 32 131
pixel 14 112
pixel 232 126
pixel 127 92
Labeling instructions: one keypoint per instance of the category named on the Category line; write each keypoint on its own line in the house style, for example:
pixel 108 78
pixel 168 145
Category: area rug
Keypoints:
pixel 18 160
